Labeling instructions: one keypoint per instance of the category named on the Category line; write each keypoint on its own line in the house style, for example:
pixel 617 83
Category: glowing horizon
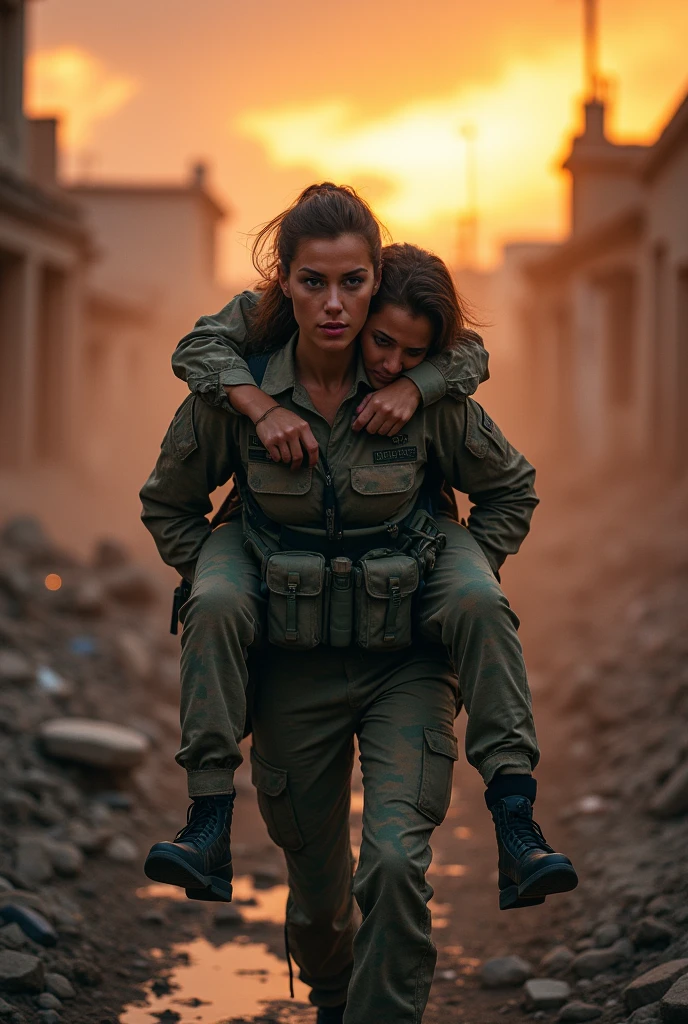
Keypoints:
pixel 404 149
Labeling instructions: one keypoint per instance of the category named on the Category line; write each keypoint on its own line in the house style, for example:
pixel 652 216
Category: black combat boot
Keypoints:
pixel 529 869
pixel 199 860
pixel 330 1014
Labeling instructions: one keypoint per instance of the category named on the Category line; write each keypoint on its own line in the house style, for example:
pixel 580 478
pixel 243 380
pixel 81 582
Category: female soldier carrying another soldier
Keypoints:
pixel 339 549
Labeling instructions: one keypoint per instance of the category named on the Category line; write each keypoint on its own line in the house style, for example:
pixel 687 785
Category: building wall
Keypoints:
pixel 11 86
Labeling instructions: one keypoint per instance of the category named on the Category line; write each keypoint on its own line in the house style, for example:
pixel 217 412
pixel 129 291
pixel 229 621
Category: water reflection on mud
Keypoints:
pixel 257 906
pixel 215 983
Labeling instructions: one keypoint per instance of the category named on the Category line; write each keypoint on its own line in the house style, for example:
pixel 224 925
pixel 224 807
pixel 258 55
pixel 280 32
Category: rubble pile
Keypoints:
pixel 88 689
pixel 619 948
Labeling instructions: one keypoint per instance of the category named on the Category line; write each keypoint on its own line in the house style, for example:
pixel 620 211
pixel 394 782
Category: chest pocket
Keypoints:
pixel 381 491
pixel 280 491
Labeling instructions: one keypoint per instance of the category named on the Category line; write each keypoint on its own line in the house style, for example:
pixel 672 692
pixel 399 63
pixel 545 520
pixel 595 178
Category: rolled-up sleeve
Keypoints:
pixel 212 356
pixel 197 456
pixel 476 458
pixel 457 371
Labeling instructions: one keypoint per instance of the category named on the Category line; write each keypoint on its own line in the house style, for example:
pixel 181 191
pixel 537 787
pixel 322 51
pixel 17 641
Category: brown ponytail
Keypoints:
pixel 321 211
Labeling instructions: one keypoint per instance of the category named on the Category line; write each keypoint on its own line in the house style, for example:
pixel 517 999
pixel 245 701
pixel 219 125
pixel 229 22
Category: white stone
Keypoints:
pixel 505 972
pixel 546 993
pixel 99 744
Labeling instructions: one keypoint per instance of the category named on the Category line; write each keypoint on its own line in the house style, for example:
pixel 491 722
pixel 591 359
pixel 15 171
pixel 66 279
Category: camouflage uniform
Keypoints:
pixel 309 705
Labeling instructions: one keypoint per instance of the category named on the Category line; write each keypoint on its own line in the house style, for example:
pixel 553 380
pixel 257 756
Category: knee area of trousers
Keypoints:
pixel 475 599
pixel 218 602
pixel 393 868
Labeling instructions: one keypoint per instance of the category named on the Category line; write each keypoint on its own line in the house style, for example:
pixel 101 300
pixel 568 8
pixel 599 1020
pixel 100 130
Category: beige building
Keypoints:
pixel 604 335
pixel 44 249
pixel 97 284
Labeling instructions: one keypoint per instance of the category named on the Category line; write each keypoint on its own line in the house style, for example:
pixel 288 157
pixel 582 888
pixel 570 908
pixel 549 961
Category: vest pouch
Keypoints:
pixel 385 587
pixel 296 590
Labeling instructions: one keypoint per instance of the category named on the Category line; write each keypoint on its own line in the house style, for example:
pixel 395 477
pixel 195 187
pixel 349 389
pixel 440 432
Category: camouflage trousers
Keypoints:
pixel 305 712
pixel 462 608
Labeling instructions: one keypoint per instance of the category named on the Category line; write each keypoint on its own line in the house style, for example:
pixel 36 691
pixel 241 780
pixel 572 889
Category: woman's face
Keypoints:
pixel 393 341
pixel 330 283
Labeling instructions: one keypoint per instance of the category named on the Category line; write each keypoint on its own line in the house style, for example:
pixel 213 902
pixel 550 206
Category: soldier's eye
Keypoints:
pixel 381 342
pixel 312 282
pixel 354 281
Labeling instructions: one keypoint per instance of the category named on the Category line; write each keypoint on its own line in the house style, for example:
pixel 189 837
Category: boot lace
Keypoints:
pixel 201 821
pixel 525 830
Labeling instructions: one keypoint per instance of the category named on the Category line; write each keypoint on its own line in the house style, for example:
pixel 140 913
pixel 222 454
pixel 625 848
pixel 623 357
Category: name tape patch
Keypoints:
pixel 396 455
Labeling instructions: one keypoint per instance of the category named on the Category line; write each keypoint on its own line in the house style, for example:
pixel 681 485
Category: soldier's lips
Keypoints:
pixel 383 378
pixel 333 330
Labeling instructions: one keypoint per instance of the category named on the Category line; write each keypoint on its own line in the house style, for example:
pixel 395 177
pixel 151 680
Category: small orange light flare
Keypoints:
pixel 53 581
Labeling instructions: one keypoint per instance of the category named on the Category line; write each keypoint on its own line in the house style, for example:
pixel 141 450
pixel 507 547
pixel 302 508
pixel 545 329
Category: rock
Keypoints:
pixel 66 858
pixel 130 585
pixel 505 972
pixel 17 806
pixel 47 1001
pixel 87 839
pixel 48 1017
pixel 228 915
pixel 606 935
pixel 265 876
pixel 5 885
pixel 134 655
pixel 660 905
pixel 595 961
pixel 5 1007
pixel 95 743
pixel 26 535
pixel 674 1005
pixel 12 937
pixel 31 922
pixel 32 863
pixel 122 849
pixel 651 932
pixel 14 667
pixel 23 898
pixel 645 1014
pixel 545 993
pixel 557 959
pixel 652 985
pixel 110 554
pixel 154 916
pixel 20 972
pixel 578 1011
pixel 52 682
pixel 86 973
pixel 672 797
pixel 59 985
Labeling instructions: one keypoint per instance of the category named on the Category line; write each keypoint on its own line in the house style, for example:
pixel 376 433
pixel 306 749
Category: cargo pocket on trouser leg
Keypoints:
pixel 440 750
pixel 275 803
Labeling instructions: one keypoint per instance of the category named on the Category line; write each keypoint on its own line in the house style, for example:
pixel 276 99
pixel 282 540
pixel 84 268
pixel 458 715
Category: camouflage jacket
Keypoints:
pixel 375 478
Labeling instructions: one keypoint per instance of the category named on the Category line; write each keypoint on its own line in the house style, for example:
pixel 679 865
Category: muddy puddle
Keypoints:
pixel 214 982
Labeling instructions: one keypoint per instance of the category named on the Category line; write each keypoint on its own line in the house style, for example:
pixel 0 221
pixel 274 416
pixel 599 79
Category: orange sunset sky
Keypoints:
pixel 278 93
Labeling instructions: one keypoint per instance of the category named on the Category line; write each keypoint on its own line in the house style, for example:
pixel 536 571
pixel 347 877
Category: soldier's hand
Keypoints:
pixel 386 411
pixel 288 438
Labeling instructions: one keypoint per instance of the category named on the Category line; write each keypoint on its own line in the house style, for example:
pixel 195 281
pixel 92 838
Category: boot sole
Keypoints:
pixel 174 870
pixel 532 892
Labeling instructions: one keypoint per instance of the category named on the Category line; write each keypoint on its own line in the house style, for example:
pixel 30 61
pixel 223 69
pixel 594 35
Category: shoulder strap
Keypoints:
pixel 257 366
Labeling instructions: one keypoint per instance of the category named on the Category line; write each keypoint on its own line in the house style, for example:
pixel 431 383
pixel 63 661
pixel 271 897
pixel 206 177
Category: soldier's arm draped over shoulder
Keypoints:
pixel 213 356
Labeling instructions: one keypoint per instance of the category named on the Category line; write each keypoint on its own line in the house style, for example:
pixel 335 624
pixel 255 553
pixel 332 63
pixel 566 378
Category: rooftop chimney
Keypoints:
pixel 199 173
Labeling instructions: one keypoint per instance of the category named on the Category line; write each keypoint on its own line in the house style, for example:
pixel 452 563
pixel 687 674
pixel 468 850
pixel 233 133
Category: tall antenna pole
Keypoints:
pixel 468 221
pixel 592 76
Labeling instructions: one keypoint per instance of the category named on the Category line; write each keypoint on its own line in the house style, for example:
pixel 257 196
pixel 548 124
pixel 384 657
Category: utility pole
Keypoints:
pixel 593 81
pixel 468 220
